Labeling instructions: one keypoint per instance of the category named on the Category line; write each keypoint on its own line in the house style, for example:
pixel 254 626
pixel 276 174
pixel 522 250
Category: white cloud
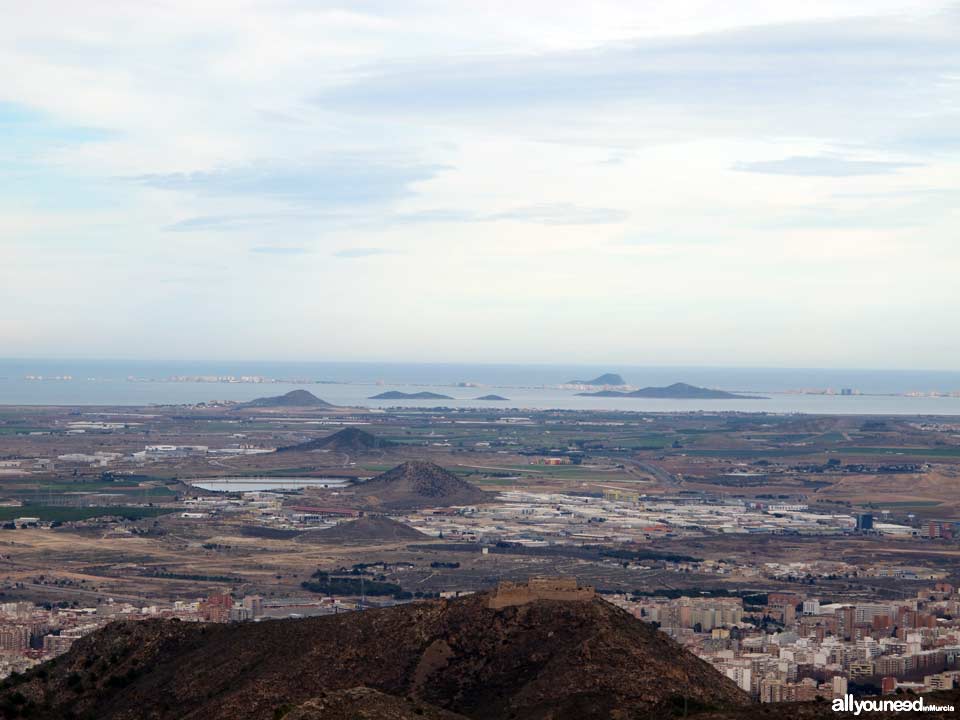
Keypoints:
pixel 824 167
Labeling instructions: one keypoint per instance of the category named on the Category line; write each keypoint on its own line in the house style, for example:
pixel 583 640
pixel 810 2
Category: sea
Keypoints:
pixel 788 390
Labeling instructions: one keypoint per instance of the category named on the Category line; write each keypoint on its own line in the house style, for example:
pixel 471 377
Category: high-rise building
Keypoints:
pixel 940 529
pixel 941 681
pixel 238 613
pixel 14 638
pixel 216 608
pixel 254 603
pixel 54 645
pixel 741 675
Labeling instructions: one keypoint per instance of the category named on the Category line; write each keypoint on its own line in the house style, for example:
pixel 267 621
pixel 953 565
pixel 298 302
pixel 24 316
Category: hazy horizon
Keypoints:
pixel 700 184
pixel 600 365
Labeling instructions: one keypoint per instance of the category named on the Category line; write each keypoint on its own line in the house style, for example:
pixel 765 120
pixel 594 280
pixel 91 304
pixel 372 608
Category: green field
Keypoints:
pixel 13 430
pixel 831 437
pixel 911 452
pixel 905 504
pixel 90 487
pixel 279 472
pixel 67 514
pixel 376 467
pixel 748 453
pixel 496 482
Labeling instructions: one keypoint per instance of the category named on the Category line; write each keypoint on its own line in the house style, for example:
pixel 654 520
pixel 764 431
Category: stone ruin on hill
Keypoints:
pixel 538 588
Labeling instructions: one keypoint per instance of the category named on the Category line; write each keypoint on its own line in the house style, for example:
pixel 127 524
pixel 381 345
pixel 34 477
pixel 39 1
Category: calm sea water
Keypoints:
pixel 115 382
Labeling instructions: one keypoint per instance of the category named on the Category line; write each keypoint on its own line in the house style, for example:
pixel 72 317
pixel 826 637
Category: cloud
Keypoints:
pixel 560 214
pixel 823 167
pixel 329 182
pixel 567 151
pixel 856 78
pixel 753 64
pixel 25 128
pixel 272 250
pixel 363 252
pixel 873 217
pixel 217 222
pixel 546 214
pixel 242 222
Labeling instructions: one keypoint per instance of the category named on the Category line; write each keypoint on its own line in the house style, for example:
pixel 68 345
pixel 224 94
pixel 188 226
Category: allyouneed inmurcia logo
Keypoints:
pixel 848 704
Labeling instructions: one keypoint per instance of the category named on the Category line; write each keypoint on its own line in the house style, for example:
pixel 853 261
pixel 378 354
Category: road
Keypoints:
pixel 658 472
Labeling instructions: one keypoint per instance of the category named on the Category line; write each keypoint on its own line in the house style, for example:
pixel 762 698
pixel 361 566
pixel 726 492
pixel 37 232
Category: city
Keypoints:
pixel 735 535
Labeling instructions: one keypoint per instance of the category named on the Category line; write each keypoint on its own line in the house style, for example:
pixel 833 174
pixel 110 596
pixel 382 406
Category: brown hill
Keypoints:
pixel 362 703
pixel 365 529
pixel 351 440
pixel 418 484
pixel 547 659
pixel 294 398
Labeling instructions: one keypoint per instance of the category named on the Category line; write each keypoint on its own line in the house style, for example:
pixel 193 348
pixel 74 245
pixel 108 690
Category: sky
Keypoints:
pixel 696 182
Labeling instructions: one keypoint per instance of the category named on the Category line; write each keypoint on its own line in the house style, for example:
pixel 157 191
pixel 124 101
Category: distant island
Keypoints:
pixel 397 395
pixel 294 398
pixel 492 397
pixel 677 391
pixel 605 379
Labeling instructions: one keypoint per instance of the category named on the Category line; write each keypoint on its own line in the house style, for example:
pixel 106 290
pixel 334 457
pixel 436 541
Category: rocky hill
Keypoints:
pixel 418 484
pixel 548 659
pixel 362 703
pixel 294 398
pixel 349 440
pixel 364 529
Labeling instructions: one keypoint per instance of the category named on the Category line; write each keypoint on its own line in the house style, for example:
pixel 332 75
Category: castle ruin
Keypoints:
pixel 538 588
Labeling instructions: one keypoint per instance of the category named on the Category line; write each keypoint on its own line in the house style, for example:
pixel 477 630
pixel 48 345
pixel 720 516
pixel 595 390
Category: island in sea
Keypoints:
pixel 499 398
pixel 397 395
pixel 677 391
pixel 605 379
pixel 294 398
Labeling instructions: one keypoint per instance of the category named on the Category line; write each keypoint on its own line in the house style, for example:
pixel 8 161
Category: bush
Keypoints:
pixel 324 583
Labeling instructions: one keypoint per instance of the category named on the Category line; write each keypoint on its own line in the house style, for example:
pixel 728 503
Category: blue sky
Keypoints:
pixel 696 182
